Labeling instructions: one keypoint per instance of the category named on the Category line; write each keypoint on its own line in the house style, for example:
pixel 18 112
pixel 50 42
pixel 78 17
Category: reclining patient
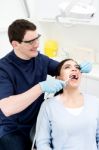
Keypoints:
pixel 69 120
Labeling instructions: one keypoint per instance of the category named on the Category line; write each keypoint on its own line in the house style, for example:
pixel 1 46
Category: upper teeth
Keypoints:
pixel 73 77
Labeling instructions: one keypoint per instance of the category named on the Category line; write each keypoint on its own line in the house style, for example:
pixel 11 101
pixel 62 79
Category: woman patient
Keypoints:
pixel 69 120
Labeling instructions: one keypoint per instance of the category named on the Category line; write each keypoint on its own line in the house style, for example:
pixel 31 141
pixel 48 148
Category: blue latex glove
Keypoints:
pixel 86 67
pixel 52 85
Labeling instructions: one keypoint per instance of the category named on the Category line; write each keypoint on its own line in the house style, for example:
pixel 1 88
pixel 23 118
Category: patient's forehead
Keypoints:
pixel 70 62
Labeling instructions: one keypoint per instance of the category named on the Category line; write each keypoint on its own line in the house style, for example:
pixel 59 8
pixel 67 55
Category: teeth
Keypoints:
pixel 70 76
pixel 73 77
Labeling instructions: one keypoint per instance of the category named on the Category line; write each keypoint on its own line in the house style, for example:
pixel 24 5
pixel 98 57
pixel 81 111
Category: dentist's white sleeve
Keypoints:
pixel 43 129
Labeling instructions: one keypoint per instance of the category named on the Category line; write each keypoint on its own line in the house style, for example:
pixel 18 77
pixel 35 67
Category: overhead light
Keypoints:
pixel 76 10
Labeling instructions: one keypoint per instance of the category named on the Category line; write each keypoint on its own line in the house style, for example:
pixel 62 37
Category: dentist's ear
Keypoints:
pixel 14 44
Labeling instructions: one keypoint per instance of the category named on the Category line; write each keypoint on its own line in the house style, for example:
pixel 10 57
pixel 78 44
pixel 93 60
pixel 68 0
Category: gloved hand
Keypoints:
pixel 86 67
pixel 52 85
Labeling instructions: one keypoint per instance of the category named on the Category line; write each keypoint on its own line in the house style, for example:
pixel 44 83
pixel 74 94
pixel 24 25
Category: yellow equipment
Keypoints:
pixel 51 48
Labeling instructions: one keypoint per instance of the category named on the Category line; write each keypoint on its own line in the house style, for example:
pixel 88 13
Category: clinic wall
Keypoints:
pixel 82 36
pixel 9 11
pixel 77 35
pixel 67 36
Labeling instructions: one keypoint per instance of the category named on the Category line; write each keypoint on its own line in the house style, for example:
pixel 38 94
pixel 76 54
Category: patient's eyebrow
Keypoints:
pixel 78 66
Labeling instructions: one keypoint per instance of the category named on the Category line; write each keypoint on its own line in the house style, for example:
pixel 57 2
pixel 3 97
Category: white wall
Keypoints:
pixel 5 46
pixel 74 37
pixel 9 11
pixel 81 36
pixel 68 37
pixel 85 36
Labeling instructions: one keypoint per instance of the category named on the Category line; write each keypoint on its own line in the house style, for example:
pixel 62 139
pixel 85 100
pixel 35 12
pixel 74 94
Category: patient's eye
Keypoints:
pixel 66 66
pixel 78 67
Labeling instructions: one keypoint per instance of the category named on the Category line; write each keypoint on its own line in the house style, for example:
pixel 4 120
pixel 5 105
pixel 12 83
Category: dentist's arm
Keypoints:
pixel 17 103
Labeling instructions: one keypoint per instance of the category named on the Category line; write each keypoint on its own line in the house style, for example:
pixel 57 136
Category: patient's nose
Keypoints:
pixel 74 69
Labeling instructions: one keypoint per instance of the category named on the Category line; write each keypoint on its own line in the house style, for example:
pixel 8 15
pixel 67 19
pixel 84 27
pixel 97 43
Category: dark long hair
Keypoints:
pixel 58 69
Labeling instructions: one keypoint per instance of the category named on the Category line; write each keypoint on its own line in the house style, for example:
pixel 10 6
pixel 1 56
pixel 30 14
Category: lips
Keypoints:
pixel 74 76
pixel 33 50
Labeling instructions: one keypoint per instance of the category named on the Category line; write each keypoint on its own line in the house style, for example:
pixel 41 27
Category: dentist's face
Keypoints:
pixel 27 48
pixel 70 70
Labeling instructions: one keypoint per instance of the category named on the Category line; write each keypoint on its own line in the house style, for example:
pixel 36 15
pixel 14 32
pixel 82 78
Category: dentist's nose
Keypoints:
pixel 36 44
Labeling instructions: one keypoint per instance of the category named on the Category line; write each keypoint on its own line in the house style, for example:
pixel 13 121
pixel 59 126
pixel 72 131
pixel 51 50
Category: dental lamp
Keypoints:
pixel 75 11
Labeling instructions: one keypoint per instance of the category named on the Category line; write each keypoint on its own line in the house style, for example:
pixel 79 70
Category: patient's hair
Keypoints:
pixel 58 69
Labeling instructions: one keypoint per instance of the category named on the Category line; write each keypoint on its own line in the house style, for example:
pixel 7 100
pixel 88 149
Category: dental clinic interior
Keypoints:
pixel 68 28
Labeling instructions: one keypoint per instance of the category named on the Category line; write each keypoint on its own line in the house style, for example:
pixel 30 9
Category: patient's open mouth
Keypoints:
pixel 73 77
